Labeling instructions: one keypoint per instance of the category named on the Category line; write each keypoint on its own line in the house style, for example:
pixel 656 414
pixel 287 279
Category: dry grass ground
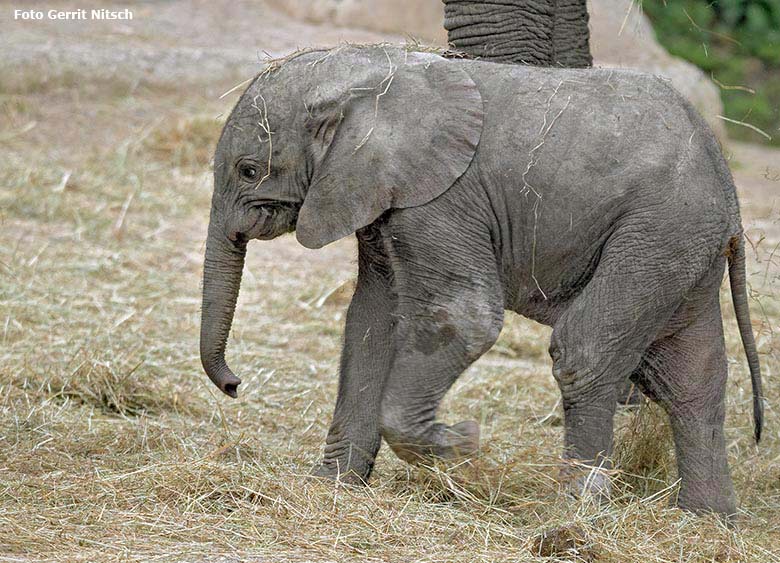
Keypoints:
pixel 115 447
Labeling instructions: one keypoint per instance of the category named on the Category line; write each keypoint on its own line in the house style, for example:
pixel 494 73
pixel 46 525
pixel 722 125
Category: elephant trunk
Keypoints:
pixel 537 32
pixel 221 282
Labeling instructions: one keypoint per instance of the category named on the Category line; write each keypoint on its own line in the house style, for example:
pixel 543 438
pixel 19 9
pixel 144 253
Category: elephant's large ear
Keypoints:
pixel 396 131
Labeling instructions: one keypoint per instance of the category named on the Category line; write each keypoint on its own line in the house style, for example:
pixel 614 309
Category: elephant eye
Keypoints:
pixel 247 171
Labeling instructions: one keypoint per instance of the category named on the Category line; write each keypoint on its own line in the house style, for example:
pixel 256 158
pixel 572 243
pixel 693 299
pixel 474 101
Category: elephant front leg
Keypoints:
pixel 435 344
pixel 353 439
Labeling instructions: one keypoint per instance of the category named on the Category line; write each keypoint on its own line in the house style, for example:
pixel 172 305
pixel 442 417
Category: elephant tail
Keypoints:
pixel 738 283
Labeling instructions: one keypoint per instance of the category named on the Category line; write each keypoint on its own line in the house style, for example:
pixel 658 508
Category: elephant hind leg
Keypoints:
pixel 604 334
pixel 686 373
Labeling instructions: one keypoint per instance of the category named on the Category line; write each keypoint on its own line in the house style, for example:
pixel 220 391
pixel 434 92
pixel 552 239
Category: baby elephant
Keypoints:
pixel 594 201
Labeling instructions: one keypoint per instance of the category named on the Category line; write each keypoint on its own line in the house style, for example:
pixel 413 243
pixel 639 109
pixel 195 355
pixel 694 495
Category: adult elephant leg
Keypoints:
pixel 536 32
pixel 686 372
pixel 353 439
pixel 603 335
pixel 450 312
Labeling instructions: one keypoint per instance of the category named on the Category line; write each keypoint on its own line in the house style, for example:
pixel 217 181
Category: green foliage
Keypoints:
pixel 737 42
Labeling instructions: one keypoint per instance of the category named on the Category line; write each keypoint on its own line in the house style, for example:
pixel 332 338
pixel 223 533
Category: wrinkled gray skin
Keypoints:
pixel 600 205
pixel 535 32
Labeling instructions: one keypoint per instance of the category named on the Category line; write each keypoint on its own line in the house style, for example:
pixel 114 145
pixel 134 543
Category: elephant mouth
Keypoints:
pixel 274 219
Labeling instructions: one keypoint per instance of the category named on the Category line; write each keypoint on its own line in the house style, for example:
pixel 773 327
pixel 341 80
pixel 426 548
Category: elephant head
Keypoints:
pixel 323 144
pixel 538 32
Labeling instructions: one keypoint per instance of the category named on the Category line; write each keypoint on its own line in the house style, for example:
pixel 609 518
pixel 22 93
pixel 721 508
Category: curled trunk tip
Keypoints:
pixel 223 377
pixel 221 282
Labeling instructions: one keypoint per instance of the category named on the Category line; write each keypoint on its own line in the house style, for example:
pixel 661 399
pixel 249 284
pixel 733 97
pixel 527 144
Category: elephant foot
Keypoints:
pixel 347 463
pixel 586 482
pixel 332 472
pixel 440 442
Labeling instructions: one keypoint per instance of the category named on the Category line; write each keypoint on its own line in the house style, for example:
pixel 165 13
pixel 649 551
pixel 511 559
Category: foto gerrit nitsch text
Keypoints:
pixel 81 14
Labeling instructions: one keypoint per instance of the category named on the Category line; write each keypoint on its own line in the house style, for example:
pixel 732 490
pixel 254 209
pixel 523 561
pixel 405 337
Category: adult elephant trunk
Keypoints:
pixel 221 282
pixel 537 32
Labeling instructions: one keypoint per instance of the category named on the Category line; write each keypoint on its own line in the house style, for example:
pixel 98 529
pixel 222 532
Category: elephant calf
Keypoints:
pixel 594 201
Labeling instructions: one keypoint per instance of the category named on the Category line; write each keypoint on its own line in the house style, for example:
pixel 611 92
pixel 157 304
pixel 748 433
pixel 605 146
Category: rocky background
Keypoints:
pixel 621 36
